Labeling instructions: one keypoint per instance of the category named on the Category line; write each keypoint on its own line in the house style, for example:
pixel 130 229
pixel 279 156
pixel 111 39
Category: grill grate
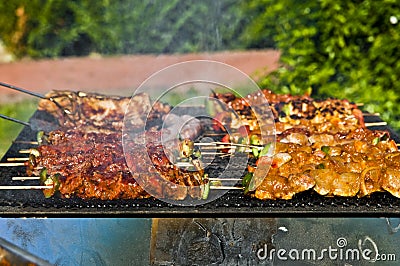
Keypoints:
pixel 30 203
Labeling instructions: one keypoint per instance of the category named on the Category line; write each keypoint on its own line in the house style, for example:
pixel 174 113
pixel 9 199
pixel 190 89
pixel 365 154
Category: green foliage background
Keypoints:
pixel 9 130
pixel 51 28
pixel 339 48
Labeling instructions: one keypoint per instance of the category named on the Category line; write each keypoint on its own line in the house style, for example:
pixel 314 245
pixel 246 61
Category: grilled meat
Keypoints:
pixel 92 165
pixel 96 112
pixel 322 145
pixel 357 164
pixel 331 115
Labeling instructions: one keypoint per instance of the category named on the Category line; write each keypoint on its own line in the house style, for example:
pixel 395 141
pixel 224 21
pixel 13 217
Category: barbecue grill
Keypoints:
pixel 13 255
pixel 32 203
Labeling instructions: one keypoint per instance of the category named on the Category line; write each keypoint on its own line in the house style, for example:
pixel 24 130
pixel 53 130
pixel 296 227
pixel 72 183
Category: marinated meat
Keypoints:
pixel 358 164
pixel 92 165
pixel 319 116
pixel 96 112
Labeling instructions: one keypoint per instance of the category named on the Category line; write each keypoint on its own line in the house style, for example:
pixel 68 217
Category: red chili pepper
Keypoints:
pixel 226 138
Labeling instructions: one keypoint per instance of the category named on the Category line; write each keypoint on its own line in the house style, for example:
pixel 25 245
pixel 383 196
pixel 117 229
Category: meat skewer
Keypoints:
pixel 288 112
pixel 291 113
pixel 358 164
pixel 92 166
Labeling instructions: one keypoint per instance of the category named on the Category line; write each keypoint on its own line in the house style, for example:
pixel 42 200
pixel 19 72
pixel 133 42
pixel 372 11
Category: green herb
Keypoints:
pixel 255 152
pixel 287 108
pixel 246 182
pixel 43 175
pixel 206 191
pixel 54 182
pixel 265 150
pixel 39 137
pixel 255 140
pixel 326 149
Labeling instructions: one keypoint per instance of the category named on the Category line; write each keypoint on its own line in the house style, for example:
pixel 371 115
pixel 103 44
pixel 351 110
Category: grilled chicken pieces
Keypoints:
pixel 357 164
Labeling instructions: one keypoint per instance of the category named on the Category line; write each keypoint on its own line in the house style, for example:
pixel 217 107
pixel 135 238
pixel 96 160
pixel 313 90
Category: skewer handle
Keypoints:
pixel 25 151
pixel 23 187
pixel 26 142
pixel 23 178
pixel 225 188
pixel 225 179
pixel 22 90
pixel 15 120
pixel 371 114
pixel 11 164
pixel 17 159
pixel 375 124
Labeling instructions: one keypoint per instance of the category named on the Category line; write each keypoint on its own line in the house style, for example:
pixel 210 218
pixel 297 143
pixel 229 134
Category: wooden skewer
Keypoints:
pixel 22 178
pixel 371 114
pixel 184 164
pixel 217 147
pixel 17 159
pixel 206 143
pixel 359 104
pixel 214 134
pixel 11 164
pixel 233 144
pixel 225 179
pixel 26 142
pixel 25 151
pixel 375 124
pixel 24 187
pixel 229 148
pixel 213 153
pixel 225 188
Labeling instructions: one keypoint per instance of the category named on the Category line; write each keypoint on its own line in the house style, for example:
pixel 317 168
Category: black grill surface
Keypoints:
pixel 31 203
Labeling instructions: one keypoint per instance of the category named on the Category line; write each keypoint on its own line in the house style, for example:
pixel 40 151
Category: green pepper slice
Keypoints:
pixel 246 182
pixel 54 181
pixel 325 149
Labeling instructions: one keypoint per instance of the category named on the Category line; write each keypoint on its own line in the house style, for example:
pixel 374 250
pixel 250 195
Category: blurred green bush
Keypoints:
pixel 39 28
pixel 339 48
pixel 22 110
